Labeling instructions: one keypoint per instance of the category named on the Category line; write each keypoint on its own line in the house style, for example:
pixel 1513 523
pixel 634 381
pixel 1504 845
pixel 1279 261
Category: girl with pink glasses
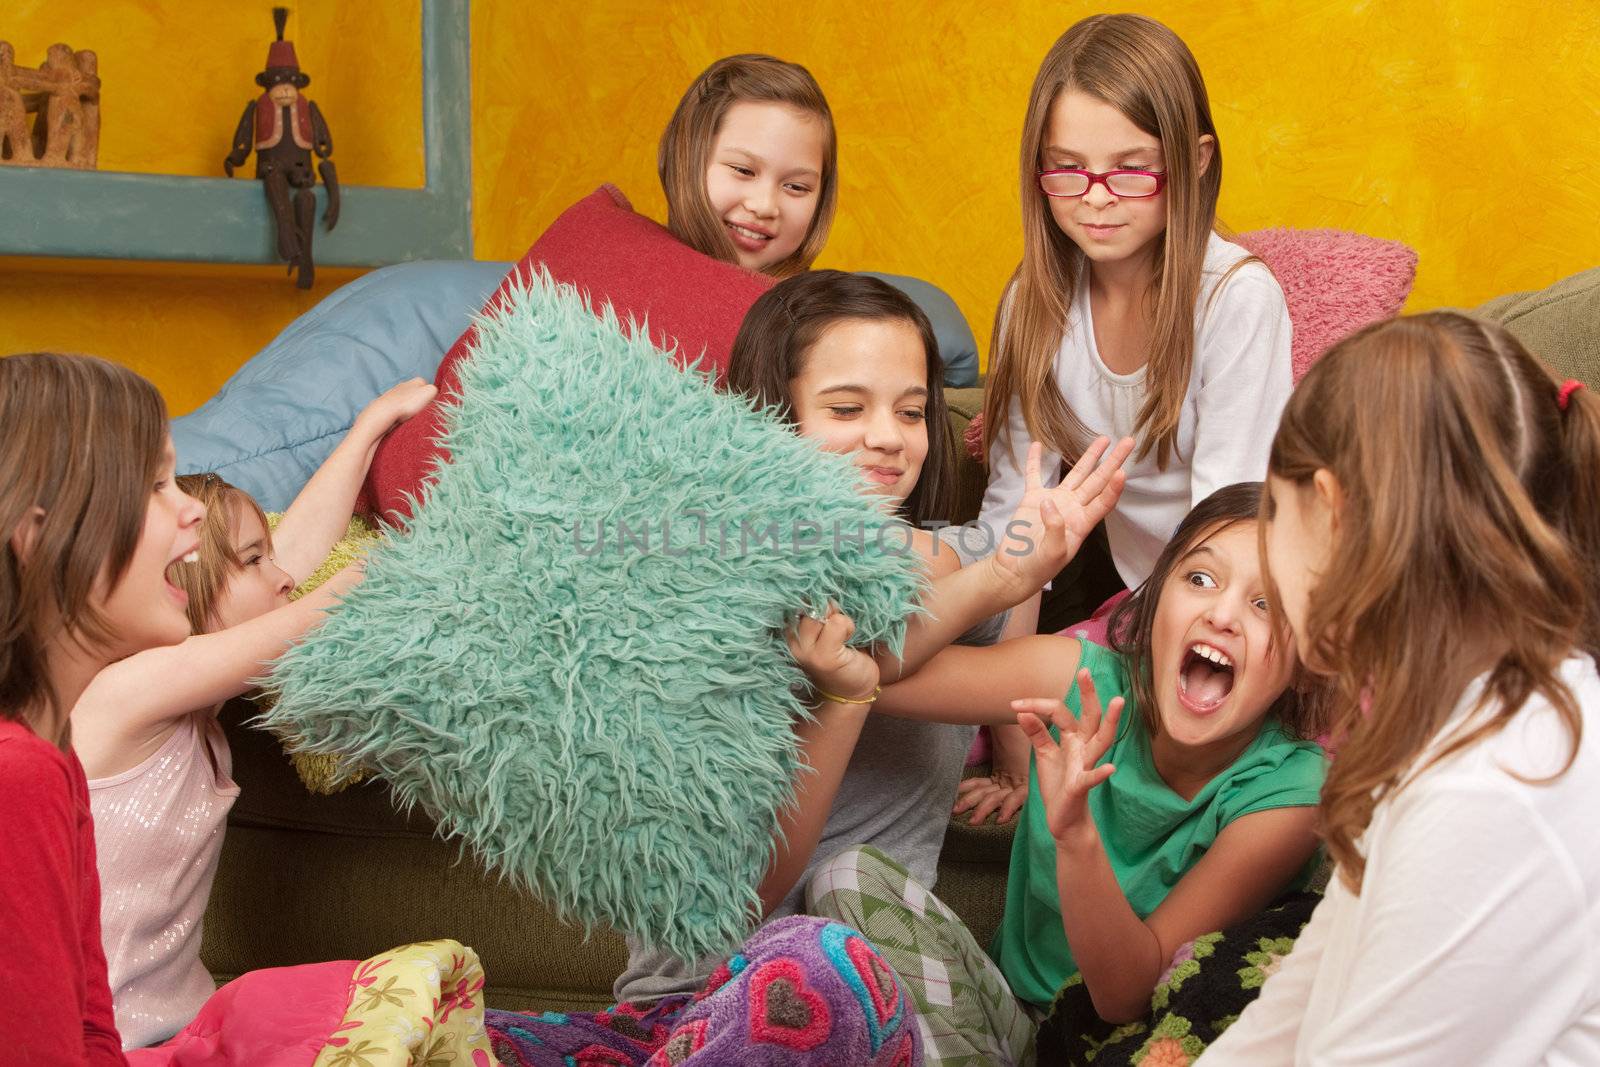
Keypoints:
pixel 1129 316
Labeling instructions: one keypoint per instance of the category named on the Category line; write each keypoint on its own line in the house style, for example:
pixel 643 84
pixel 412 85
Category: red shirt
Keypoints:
pixel 56 1005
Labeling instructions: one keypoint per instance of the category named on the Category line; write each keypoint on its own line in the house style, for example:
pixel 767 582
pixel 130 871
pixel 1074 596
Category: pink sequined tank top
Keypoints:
pixel 158 834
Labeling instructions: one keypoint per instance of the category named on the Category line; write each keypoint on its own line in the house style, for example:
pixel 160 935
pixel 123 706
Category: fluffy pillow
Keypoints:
pixel 691 303
pixel 275 421
pixel 605 718
pixel 1333 281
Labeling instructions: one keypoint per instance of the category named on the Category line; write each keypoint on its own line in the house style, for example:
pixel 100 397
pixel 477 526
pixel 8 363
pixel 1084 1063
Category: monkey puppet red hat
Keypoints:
pixel 284 163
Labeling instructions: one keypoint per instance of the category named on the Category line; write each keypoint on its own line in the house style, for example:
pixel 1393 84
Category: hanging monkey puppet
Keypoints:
pixel 284 128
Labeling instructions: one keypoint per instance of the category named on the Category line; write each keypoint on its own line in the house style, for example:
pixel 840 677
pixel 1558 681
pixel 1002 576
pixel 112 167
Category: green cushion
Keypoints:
pixel 305 878
pixel 1560 324
pixel 607 722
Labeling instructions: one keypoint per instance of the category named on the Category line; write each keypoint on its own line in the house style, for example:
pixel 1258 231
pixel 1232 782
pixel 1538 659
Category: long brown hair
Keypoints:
pixel 1145 71
pixel 1467 539
pixel 205 581
pixel 787 320
pixel 690 135
pixel 1302 708
pixel 82 441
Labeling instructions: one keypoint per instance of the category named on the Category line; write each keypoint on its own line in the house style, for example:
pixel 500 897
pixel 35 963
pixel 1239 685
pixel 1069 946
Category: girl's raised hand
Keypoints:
pixel 818 646
pixel 398 404
pixel 1050 525
pixel 1065 769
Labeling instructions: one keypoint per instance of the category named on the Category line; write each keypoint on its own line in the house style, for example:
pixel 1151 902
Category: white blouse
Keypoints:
pixel 1239 381
pixel 1476 937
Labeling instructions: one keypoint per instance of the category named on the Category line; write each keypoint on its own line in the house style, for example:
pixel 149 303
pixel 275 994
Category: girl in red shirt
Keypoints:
pixel 91 524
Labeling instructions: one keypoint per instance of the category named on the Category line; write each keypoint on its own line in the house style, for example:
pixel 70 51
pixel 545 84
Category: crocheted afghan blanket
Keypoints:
pixel 1210 982
pixel 572 658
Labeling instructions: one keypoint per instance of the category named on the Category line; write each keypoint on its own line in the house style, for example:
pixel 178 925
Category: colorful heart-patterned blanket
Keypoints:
pixel 802 992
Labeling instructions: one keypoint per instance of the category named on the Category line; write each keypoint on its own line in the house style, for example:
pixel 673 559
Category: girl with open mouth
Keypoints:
pixel 1173 793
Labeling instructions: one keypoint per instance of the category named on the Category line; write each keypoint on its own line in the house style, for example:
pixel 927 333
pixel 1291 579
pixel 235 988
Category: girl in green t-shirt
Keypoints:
pixel 1173 792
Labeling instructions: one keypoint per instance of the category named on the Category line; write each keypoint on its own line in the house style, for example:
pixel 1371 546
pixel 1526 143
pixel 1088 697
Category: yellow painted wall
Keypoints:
pixel 176 74
pixel 175 77
pixel 1466 128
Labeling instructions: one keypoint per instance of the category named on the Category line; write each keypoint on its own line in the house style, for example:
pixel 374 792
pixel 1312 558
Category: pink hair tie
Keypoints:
pixel 1568 387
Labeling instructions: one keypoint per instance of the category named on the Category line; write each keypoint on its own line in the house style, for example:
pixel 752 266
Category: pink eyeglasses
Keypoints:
pixel 1127 184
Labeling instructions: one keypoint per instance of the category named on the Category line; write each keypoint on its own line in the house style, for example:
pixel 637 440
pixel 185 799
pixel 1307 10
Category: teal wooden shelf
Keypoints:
pixel 112 215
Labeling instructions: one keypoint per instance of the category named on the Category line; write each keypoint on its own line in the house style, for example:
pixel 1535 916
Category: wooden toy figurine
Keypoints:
pixel 284 128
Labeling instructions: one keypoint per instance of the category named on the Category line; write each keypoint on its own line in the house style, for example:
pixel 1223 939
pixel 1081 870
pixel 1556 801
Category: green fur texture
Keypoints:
pixel 612 729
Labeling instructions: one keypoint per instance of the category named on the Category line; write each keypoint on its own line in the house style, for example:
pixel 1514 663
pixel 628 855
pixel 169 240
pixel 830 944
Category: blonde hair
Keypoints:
pixel 686 146
pixel 82 441
pixel 1466 523
pixel 1141 68
pixel 205 581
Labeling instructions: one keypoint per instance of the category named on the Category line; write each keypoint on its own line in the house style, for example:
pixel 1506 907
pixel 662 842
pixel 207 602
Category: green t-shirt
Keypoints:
pixel 1152 836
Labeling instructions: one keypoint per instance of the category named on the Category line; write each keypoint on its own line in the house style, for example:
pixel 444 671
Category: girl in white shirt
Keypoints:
pixel 1128 315
pixel 1434 535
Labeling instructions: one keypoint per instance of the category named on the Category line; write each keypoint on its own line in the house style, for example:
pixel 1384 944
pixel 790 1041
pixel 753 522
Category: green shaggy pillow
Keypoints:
pixel 573 656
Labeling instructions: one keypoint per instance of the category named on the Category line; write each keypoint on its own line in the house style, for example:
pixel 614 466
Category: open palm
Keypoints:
pixel 1065 769
pixel 1051 524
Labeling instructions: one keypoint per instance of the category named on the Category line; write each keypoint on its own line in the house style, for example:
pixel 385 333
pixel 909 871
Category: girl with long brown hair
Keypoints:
pixel 749 165
pixel 1432 525
pixel 1129 315
pixel 92 524
pixel 1175 794
pixel 146 728
pixel 850 362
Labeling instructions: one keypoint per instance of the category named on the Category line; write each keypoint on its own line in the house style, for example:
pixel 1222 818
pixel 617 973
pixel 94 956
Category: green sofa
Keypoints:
pixel 306 877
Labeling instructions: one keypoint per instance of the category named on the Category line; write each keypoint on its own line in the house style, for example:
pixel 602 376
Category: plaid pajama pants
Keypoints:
pixel 965 1009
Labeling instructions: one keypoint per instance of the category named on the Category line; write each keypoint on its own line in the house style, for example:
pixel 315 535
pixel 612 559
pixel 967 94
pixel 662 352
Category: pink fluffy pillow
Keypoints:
pixel 1334 281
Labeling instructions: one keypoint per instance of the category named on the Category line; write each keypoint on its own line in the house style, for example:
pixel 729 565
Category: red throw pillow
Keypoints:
pixel 692 303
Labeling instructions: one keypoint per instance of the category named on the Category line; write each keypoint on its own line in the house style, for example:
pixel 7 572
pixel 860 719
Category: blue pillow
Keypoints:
pixel 956 344
pixel 276 420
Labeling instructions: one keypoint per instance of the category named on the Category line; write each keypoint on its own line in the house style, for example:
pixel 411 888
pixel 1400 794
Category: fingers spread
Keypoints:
pixel 1031 477
pixel 1086 463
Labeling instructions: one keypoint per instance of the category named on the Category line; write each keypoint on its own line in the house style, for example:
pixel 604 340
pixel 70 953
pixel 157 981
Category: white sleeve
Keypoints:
pixel 1008 458
pixel 1266 1033
pixel 1245 379
pixel 1473 945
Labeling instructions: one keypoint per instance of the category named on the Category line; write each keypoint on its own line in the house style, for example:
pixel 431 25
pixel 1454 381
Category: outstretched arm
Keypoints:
pixel 320 515
pixel 135 699
pixel 1044 534
pixel 1120 955
pixel 977 685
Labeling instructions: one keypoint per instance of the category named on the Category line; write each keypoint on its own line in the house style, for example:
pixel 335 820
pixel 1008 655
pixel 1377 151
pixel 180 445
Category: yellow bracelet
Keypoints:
pixel 829 698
